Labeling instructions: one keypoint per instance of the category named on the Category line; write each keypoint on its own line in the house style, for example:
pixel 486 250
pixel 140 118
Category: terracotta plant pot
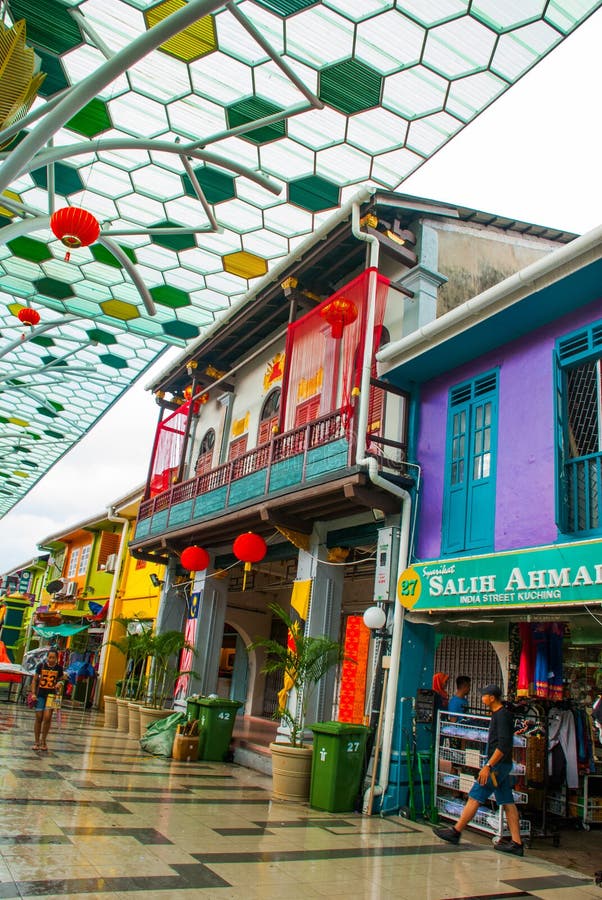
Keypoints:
pixel 110 711
pixel 123 715
pixel 291 772
pixel 148 715
pixel 134 720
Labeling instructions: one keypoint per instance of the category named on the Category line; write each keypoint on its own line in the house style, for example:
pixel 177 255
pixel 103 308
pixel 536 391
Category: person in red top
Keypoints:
pixel 48 679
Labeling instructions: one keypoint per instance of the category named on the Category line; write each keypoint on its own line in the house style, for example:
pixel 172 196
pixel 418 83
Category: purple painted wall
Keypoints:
pixel 525 480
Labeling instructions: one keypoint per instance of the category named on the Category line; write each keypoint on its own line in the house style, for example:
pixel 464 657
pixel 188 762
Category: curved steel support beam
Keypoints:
pixel 91 86
pixel 130 268
pixel 39 329
pixel 25 226
pixel 56 154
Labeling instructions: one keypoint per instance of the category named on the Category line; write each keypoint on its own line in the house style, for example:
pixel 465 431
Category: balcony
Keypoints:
pixel 315 456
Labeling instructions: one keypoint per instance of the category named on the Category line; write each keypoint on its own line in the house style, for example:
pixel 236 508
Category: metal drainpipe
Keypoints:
pixel 406 501
pixel 114 586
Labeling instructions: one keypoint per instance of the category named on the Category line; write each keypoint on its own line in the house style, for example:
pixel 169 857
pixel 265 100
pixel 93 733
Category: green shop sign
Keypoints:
pixel 563 573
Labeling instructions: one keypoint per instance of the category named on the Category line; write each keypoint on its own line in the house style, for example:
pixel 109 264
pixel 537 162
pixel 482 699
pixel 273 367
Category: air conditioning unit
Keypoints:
pixel 70 589
pixel 110 563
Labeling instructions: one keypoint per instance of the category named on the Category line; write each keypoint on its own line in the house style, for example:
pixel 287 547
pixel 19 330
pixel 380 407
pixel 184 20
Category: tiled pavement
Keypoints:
pixel 96 817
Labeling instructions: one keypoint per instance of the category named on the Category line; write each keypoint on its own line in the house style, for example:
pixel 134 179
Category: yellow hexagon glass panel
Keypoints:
pixel 193 42
pixel 117 309
pixel 245 265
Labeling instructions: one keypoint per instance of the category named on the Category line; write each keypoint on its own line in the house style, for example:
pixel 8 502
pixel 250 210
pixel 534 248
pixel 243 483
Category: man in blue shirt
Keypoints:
pixel 458 703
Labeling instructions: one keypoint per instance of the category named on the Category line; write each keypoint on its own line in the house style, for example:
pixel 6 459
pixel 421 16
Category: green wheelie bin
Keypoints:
pixel 216 724
pixel 192 707
pixel 337 765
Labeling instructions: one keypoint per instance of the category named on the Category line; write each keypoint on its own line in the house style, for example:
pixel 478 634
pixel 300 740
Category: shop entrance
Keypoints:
pixel 233 667
pixel 469 656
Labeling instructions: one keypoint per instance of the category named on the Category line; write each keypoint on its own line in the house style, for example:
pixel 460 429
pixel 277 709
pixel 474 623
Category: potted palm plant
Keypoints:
pixel 303 662
pixel 161 650
pixel 116 707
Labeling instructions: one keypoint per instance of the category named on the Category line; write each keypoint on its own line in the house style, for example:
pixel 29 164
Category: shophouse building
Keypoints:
pixel 91 581
pixel 505 582
pixel 277 422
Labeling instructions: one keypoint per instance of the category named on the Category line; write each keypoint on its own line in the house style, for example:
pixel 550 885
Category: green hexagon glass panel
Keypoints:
pixel 350 86
pixel 173 241
pixel 102 255
pixel 217 186
pixel 183 330
pixel 49 24
pixel 52 287
pixel 98 336
pixel 67 180
pixel 250 110
pixel 313 193
pixel 286 7
pixel 115 362
pixel 170 296
pixel 92 120
pixel 42 341
pixel 30 249
pixel 55 80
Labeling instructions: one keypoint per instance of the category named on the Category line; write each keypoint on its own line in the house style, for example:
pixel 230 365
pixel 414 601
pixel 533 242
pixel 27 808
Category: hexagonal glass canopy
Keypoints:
pixel 206 138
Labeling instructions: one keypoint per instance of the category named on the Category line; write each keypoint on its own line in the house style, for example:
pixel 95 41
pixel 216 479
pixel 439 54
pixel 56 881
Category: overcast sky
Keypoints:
pixel 533 155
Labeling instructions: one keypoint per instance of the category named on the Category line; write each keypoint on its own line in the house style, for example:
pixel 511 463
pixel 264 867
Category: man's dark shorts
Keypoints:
pixel 503 791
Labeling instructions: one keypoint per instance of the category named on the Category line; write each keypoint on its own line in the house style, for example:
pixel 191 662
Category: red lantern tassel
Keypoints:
pixel 67 256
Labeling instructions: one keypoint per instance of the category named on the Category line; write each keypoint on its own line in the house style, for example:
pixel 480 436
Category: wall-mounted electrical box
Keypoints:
pixel 387 550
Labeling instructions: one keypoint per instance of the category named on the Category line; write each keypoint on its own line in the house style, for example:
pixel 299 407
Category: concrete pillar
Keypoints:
pixel 424 280
pixel 324 614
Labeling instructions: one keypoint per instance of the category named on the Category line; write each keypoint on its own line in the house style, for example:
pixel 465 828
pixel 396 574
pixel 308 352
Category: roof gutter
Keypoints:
pixel 543 272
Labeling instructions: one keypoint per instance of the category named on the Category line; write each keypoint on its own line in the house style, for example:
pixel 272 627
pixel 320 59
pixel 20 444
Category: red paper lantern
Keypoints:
pixel 249 548
pixel 195 559
pixel 28 316
pixel 339 313
pixel 75 227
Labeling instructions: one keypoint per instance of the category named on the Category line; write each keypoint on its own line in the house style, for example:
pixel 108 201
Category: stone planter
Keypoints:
pixel 123 715
pixel 148 715
pixel 291 772
pixel 110 711
pixel 134 720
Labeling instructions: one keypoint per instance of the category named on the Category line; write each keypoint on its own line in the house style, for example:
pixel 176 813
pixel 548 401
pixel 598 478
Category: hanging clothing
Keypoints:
pixel 526 666
pixel 542 668
pixel 561 733
pixel 555 673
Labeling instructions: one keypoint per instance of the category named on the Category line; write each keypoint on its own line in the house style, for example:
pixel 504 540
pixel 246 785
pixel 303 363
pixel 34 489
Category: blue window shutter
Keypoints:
pixel 560 417
pixel 454 505
pixel 480 505
pixel 469 489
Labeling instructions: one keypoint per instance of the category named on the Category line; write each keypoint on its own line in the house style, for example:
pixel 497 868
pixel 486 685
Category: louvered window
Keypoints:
pixel 579 430
pixel 269 417
pixel 205 458
pixel 109 544
pixel 307 411
pixel 237 447
pixel 469 503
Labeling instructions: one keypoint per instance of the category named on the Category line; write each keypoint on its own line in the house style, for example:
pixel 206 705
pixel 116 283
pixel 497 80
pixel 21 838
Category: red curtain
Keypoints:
pixel 325 368
pixel 168 450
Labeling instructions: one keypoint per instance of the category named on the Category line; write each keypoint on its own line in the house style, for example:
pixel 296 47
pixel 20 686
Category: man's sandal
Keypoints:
pixel 36 747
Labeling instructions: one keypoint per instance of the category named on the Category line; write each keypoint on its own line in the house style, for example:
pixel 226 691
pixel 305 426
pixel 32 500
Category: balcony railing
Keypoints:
pixel 584 489
pixel 263 458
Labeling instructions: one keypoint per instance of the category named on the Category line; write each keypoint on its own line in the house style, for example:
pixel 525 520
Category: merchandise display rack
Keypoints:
pixel 460 751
